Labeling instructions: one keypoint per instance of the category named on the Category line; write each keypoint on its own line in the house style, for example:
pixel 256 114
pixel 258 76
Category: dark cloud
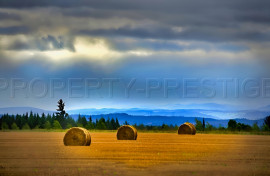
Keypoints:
pixel 199 34
pixel 44 43
pixel 204 27
pixel 181 12
pixel 11 30
pixel 206 20
pixel 86 13
pixel 161 32
pixel 120 44
pixel 139 4
pixel 9 16
pixel 50 42
pixel 60 3
pixel 19 45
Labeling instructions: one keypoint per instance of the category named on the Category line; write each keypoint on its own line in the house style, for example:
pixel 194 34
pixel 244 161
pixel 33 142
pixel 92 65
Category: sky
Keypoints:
pixel 134 54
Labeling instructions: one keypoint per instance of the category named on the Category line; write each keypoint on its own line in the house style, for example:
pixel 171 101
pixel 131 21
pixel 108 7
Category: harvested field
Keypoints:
pixel 43 153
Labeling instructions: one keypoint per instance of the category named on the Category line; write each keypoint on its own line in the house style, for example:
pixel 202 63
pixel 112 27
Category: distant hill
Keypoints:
pixel 23 110
pixel 215 114
pixel 159 120
pixel 159 116
pixel 207 106
pixel 265 108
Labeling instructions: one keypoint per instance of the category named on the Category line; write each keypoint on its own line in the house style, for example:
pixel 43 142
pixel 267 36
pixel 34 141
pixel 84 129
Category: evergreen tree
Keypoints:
pixel 18 121
pixel 31 120
pixel 90 124
pixel 265 128
pixel 117 123
pixel 11 120
pixel 96 123
pixel 165 127
pixel 203 125
pixel 61 106
pixel 42 121
pixel 101 124
pixel 267 121
pixel 47 125
pixel 7 120
pixel 53 118
pixel 24 119
pixel 176 127
pixel 198 125
pixel 102 120
pixel 56 125
pixel 69 125
pixel 5 126
pixel 36 127
pixel 243 127
pixel 141 127
pixel 49 118
pixel 79 121
pixel 84 121
pixel 232 125
pixel 14 126
pixel 255 127
pixel 26 127
pixel 61 114
pixel 36 121
pixel 90 119
pixel 209 127
pixel 108 124
pixel 70 121
pixel 113 124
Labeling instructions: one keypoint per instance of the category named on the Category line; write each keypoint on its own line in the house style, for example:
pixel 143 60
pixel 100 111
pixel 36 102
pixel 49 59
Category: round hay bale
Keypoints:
pixel 126 132
pixel 194 128
pixel 187 128
pixel 77 136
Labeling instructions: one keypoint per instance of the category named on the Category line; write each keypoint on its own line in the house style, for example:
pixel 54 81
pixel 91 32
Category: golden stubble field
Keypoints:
pixel 43 153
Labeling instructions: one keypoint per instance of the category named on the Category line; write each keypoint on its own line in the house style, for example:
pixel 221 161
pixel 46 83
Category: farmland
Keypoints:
pixel 43 153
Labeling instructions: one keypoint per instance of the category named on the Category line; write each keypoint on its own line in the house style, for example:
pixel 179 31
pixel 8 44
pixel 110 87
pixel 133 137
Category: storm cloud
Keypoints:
pixel 127 39
pixel 209 20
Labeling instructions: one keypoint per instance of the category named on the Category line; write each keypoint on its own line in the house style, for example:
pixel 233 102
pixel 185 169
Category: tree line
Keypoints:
pixel 233 126
pixel 64 121
pixel 61 120
pixel 55 121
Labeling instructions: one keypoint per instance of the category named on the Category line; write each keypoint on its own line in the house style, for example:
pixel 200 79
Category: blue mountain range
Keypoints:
pixel 215 114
